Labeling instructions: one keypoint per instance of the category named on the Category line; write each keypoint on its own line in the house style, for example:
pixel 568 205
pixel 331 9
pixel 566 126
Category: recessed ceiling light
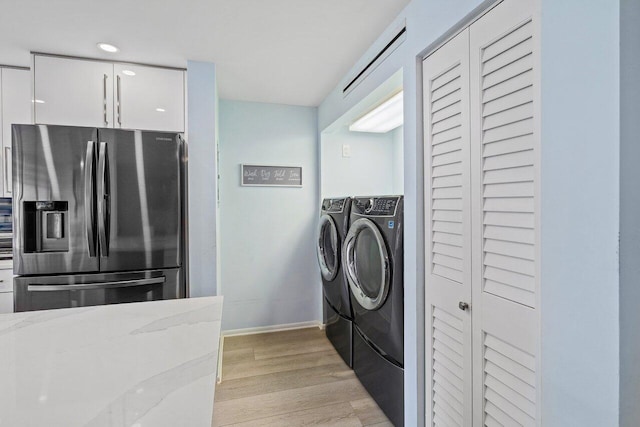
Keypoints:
pixel 108 47
pixel 128 72
pixel 38 101
pixel 160 110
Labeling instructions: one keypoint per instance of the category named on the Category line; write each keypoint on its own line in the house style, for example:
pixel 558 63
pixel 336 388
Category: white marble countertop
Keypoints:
pixel 134 365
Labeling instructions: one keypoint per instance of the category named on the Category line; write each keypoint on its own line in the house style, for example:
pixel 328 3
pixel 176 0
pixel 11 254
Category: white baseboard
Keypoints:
pixel 220 351
pixel 272 328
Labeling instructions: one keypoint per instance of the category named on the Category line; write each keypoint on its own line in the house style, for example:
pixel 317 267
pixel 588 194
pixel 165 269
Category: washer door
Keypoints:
pixel 328 252
pixel 366 262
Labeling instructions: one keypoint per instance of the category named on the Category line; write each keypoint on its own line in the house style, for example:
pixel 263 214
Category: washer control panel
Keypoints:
pixel 375 206
pixel 333 205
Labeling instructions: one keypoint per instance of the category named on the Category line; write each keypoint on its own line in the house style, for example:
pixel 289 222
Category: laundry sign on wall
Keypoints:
pixel 271 176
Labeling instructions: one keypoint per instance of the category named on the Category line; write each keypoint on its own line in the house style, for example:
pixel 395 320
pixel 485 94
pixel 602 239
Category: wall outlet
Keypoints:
pixel 346 150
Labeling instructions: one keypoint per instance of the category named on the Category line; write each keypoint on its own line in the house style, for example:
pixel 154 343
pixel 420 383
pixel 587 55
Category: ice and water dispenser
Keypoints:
pixel 46 226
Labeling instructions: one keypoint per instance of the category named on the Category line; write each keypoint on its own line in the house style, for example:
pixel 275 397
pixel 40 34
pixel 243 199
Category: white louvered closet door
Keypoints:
pixel 448 234
pixel 504 187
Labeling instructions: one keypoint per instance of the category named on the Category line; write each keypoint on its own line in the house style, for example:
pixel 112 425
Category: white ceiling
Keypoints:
pixel 280 51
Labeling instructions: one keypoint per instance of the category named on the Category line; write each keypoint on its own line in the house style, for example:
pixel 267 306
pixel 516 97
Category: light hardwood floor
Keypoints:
pixel 290 378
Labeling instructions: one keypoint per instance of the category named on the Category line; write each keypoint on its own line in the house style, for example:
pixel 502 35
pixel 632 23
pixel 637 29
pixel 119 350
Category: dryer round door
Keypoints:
pixel 366 262
pixel 328 248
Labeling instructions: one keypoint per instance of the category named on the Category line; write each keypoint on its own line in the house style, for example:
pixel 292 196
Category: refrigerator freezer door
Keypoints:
pixel 52 199
pixel 139 194
pixel 83 290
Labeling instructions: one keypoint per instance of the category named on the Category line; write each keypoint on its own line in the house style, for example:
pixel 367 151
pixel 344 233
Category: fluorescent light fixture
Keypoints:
pixel 108 47
pixel 385 117
pixel 160 110
pixel 128 73
pixel 38 101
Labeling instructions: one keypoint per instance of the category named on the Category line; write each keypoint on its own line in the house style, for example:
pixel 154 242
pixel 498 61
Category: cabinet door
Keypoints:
pixel 448 234
pixel 6 302
pixel 149 98
pixel 6 291
pixel 73 92
pixel 16 109
pixel 504 144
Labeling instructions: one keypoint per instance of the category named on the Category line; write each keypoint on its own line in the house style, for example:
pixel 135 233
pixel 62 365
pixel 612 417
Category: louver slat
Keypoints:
pixel 446 89
pixel 511 100
pixel 510 55
pixel 449 216
pixel 448 372
pixel 507 87
pixel 514 174
pixel 513 145
pixel 506 42
pixel 510 219
pixel 520 281
pixel 508 131
pixel 512 115
pixel 518 250
pixel 445 125
pixel 447 112
pixel 508 160
pixel 444 78
pixel 451 399
pixel 445 102
pixel 447 181
pixel 446 172
pixel 509 383
pixel 446 147
pixel 447 193
pixel 516 68
pixel 442 248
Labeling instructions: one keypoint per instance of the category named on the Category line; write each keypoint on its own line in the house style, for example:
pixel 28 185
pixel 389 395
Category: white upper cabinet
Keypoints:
pixel 78 92
pixel 16 109
pixel 149 98
pixel 73 92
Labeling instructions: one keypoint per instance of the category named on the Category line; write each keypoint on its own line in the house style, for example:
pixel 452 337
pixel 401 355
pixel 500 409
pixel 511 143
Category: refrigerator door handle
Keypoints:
pixel 7 170
pixel 104 99
pixel 89 197
pixel 97 285
pixel 103 200
pixel 118 101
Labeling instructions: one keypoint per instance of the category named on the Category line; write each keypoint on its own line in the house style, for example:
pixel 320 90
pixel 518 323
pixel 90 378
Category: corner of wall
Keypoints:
pixel 202 206
pixel 629 213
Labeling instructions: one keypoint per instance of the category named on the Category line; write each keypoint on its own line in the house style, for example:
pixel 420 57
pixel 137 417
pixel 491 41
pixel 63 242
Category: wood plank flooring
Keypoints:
pixel 290 378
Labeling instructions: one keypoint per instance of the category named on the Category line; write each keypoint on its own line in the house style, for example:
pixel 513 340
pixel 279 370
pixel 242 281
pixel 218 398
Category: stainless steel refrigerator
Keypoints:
pixel 98 216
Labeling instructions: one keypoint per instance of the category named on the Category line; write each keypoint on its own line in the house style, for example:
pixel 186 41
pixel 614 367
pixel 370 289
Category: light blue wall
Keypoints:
pixel 201 139
pixel 270 273
pixel 426 21
pixel 369 171
pixel 397 136
pixel 629 213
pixel 580 212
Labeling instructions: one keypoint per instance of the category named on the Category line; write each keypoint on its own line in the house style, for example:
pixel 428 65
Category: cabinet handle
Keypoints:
pixel 463 306
pixel 104 99
pixel 7 177
pixel 118 100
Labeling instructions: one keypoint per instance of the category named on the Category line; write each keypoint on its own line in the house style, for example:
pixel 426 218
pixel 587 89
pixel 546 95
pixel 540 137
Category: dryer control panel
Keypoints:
pixel 376 206
pixel 333 205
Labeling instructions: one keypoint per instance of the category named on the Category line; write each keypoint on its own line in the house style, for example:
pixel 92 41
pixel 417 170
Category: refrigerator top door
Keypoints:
pixel 139 200
pixel 53 199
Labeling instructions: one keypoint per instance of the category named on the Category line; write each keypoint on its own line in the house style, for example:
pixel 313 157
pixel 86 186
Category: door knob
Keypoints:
pixel 463 306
